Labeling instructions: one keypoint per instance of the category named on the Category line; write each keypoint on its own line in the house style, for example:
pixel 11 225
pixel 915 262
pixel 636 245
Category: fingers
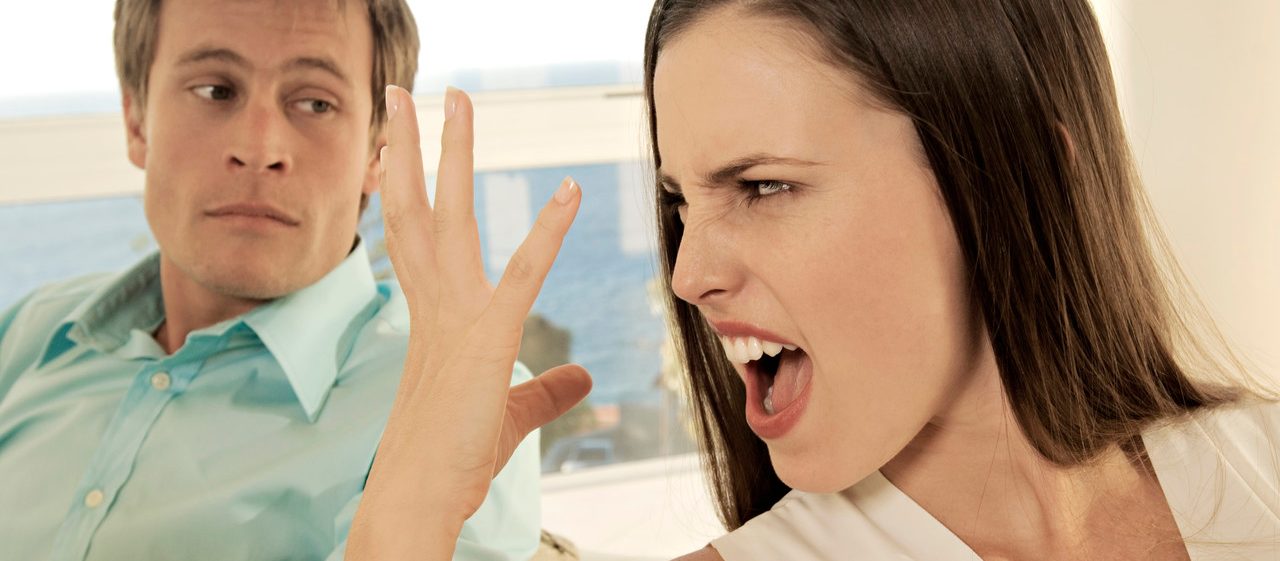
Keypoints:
pixel 405 210
pixel 528 267
pixel 455 219
pixel 537 402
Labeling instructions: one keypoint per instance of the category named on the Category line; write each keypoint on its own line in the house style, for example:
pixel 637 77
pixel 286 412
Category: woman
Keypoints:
pixel 911 280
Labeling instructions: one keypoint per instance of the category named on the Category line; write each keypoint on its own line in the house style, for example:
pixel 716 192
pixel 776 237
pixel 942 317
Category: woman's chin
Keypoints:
pixel 817 474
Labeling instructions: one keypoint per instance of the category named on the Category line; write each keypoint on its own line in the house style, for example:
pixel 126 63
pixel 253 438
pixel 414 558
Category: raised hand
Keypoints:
pixel 455 420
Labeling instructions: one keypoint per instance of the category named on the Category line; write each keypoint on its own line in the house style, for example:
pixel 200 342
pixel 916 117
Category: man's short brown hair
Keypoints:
pixel 395 51
pixel 395 48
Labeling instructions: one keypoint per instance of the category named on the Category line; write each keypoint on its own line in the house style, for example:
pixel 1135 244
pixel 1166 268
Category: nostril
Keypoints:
pixel 711 294
pixel 237 162
pixel 276 166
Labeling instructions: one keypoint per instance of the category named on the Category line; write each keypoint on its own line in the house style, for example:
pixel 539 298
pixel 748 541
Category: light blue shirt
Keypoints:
pixel 252 441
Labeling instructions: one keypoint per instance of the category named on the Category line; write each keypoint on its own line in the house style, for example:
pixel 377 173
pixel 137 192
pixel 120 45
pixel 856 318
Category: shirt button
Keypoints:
pixel 160 381
pixel 93 498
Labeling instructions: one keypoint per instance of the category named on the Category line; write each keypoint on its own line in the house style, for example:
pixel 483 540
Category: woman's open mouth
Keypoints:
pixel 777 377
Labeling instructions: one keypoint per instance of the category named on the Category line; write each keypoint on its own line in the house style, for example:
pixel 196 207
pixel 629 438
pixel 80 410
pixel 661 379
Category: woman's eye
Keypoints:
pixel 317 106
pixel 766 188
pixel 214 93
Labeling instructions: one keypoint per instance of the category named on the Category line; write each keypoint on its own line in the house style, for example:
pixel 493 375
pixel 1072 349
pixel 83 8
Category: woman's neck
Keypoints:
pixel 973 469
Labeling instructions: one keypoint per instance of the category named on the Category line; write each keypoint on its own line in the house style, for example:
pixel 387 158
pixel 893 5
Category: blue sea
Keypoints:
pixel 598 290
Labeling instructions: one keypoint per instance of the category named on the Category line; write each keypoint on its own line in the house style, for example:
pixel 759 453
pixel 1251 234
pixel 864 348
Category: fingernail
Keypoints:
pixel 382 159
pixel 393 102
pixel 450 102
pixel 566 191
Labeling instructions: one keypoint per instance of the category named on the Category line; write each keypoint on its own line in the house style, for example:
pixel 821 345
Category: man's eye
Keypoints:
pixel 214 93
pixel 317 106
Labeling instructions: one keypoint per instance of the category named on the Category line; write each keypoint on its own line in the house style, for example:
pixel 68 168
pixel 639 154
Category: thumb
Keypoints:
pixel 538 402
pixel 541 400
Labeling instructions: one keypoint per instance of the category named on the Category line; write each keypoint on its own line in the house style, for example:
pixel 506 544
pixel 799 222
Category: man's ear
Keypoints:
pixel 135 132
pixel 373 171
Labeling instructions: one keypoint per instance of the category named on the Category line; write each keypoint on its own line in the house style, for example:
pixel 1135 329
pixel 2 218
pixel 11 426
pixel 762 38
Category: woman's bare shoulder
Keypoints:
pixel 705 554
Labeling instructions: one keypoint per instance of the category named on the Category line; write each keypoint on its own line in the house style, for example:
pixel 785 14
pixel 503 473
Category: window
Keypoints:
pixel 556 88
pixel 597 308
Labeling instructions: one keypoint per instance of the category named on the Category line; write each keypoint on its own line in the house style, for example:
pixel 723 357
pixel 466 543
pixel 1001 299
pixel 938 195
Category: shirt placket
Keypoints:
pixel 154 386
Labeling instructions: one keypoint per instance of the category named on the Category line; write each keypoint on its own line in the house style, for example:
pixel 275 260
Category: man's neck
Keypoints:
pixel 189 306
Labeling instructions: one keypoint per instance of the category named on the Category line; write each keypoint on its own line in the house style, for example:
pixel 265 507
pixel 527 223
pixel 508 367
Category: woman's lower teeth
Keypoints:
pixel 768 400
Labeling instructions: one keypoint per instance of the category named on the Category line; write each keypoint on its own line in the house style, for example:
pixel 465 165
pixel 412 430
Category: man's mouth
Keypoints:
pixel 775 370
pixel 253 210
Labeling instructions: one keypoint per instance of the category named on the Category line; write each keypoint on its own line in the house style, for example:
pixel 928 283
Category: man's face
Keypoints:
pixel 255 140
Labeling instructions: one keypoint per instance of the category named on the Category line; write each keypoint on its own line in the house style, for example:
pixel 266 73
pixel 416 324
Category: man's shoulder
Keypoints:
pixel 62 297
pixel 36 316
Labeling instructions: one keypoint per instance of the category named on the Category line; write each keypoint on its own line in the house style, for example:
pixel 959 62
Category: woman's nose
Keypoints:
pixel 705 272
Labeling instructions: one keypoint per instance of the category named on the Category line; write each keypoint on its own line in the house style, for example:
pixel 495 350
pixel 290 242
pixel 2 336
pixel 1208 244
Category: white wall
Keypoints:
pixel 1200 89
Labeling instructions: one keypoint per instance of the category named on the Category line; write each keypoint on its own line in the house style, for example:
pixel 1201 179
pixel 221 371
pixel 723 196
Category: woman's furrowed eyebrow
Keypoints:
pixel 669 184
pixel 732 170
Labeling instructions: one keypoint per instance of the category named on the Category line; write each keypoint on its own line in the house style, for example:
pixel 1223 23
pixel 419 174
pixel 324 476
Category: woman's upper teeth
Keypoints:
pixel 742 350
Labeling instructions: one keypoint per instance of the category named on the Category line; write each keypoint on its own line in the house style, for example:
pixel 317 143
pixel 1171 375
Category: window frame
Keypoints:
pixel 52 159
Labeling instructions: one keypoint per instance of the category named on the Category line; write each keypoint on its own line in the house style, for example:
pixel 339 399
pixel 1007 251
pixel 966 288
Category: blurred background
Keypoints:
pixel 556 88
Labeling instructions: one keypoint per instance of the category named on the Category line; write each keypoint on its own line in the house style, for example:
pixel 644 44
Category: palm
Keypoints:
pixel 456 420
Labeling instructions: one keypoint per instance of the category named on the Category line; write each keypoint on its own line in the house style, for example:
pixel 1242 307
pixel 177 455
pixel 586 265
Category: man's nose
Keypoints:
pixel 705 273
pixel 259 143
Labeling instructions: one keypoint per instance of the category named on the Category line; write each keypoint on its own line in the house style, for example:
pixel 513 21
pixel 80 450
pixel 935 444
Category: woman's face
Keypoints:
pixel 811 220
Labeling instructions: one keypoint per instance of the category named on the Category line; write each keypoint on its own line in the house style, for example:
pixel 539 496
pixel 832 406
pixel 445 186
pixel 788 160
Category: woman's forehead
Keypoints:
pixel 728 89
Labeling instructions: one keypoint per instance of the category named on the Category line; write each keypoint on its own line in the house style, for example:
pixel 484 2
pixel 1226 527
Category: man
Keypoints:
pixel 223 399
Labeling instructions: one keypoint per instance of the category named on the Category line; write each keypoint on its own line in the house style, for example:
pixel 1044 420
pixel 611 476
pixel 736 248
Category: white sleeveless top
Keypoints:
pixel 1218 472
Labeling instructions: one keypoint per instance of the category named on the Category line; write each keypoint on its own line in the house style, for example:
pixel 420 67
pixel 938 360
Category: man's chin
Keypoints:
pixel 259 271
pixel 250 281
pixel 247 287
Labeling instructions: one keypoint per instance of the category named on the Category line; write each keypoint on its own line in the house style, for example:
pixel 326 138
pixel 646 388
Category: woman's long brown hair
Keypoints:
pixel 1015 106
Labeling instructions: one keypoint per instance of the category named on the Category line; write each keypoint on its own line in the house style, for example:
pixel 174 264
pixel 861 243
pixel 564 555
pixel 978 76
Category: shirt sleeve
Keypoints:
pixel 342 526
pixel 508 524
pixel 6 321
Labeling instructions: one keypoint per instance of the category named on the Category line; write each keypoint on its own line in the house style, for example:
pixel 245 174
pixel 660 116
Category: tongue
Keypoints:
pixel 793 375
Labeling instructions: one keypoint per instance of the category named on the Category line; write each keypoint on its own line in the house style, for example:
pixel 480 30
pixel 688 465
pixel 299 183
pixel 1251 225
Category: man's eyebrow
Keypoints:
pixel 232 57
pixel 207 53
pixel 730 172
pixel 317 63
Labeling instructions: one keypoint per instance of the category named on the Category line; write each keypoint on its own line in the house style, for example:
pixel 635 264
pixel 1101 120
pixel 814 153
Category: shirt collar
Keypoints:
pixel 309 332
pixel 104 320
